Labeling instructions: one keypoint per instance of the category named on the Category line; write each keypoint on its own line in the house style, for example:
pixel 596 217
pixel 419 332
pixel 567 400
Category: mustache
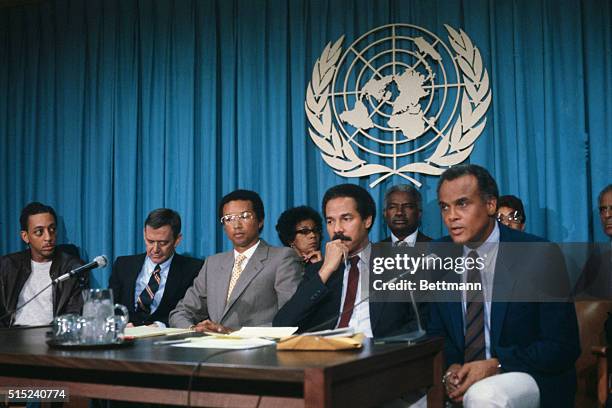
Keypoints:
pixel 341 237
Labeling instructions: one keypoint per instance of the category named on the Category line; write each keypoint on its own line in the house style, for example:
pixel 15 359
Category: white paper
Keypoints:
pixel 264 332
pixel 151 331
pixel 214 342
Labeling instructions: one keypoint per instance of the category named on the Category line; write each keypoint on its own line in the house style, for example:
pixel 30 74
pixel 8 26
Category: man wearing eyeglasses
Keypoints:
pixel 510 212
pixel 403 211
pixel 245 286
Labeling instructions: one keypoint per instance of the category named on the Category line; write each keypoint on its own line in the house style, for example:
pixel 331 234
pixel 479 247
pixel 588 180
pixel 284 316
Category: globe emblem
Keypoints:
pixel 391 88
pixel 398 100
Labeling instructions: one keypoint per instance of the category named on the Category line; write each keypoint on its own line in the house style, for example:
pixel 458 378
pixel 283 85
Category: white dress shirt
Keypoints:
pixel 410 239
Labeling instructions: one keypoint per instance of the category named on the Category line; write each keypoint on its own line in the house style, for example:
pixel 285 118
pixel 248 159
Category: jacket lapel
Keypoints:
pixel 133 272
pixel 503 286
pixel 253 267
pixel 172 280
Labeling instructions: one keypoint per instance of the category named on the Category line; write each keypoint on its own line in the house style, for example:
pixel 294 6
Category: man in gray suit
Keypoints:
pixel 243 287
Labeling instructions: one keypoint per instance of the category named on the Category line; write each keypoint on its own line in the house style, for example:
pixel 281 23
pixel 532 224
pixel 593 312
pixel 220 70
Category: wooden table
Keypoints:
pixel 247 378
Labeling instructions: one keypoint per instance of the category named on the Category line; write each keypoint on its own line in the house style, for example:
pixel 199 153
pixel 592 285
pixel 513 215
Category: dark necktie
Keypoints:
pixel 146 296
pixel 351 293
pixel 474 317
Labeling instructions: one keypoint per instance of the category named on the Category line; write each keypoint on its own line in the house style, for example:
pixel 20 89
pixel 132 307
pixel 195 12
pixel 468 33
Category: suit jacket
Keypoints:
pixel 15 269
pixel 538 338
pixel 596 277
pixel 316 306
pixel 420 238
pixel 183 271
pixel 267 282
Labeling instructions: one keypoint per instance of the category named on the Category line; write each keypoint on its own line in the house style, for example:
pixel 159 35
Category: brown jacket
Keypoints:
pixel 15 269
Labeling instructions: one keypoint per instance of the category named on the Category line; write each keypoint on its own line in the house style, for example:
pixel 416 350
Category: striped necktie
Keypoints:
pixel 474 317
pixel 146 296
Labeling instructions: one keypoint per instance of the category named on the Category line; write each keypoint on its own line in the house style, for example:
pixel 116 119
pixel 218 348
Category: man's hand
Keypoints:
pixel 211 327
pixel 471 373
pixel 451 381
pixel 130 324
pixel 312 257
pixel 335 252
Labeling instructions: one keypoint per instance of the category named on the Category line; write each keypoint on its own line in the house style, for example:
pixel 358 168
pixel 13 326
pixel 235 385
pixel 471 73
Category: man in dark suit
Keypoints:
pixel 515 353
pixel 330 293
pixel 151 284
pixel 596 277
pixel 403 211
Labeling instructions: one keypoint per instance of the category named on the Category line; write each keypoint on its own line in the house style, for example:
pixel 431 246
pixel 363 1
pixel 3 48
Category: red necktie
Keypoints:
pixel 351 293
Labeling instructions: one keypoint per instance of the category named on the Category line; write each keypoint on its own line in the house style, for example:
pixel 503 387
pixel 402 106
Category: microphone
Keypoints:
pixel 98 262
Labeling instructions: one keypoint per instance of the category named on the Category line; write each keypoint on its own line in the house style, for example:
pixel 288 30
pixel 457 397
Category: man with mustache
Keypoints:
pixel 24 274
pixel 403 211
pixel 330 293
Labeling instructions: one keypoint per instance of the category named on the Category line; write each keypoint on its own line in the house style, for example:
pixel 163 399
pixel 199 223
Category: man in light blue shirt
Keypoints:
pixel 151 284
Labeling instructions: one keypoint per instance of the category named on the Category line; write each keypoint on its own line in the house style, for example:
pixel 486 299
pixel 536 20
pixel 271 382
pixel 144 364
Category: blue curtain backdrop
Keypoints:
pixel 109 109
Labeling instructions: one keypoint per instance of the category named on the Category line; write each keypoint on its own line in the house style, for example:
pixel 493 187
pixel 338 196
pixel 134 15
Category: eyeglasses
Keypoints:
pixel 306 231
pixel 513 218
pixel 232 218
pixel 605 210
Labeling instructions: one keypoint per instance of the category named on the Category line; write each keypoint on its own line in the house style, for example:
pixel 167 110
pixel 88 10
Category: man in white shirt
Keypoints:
pixel 333 292
pixel 26 273
pixel 403 212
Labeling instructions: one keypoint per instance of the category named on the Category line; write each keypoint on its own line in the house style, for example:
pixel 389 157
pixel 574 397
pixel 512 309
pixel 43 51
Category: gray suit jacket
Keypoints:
pixel 269 280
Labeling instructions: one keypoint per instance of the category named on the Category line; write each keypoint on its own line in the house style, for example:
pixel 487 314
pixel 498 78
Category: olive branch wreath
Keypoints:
pixel 454 146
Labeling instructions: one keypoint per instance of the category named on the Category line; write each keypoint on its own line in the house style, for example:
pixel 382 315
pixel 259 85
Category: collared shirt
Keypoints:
pixel 410 239
pixel 488 252
pixel 248 254
pixel 145 275
pixel 360 318
pixel 40 310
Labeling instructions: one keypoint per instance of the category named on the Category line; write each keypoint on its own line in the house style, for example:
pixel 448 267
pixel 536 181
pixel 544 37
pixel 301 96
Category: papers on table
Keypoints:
pixel 224 342
pixel 140 332
pixel 264 332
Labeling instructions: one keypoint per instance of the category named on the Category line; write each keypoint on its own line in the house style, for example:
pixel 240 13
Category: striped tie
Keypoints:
pixel 146 296
pixel 474 317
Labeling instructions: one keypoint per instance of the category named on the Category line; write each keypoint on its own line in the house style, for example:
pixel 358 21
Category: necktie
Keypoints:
pixel 401 244
pixel 351 293
pixel 474 317
pixel 236 271
pixel 146 296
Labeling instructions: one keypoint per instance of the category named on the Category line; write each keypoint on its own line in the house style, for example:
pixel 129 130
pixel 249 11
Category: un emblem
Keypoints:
pixel 400 96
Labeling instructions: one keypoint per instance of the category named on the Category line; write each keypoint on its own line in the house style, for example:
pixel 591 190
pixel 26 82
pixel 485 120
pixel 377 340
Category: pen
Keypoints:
pixel 168 342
